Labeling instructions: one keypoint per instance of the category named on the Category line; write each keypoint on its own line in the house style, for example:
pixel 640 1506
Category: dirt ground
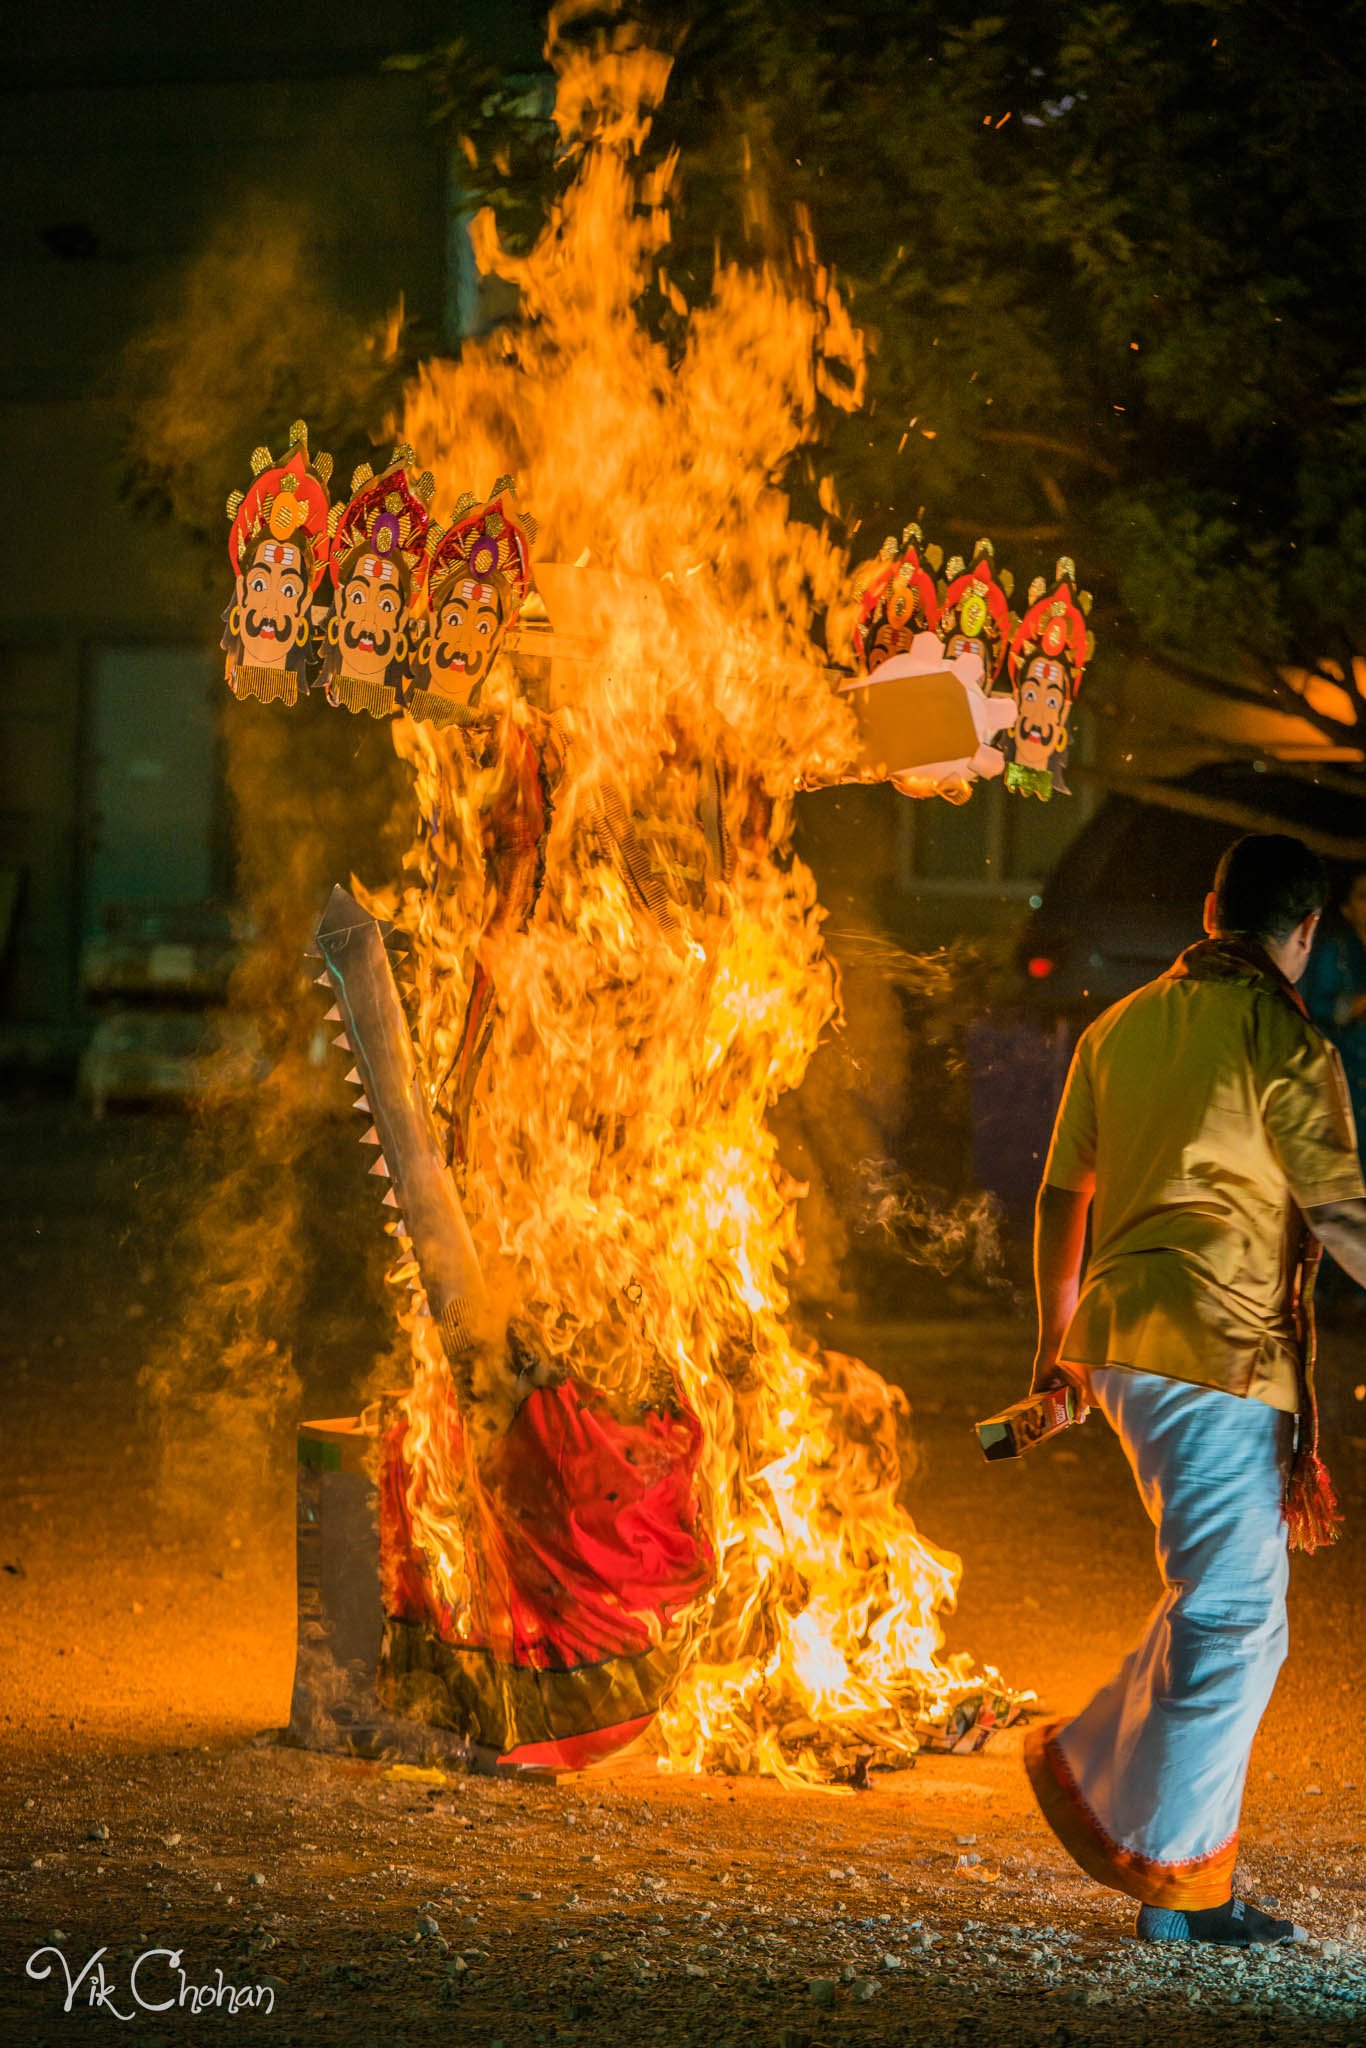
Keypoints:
pixel 143 1809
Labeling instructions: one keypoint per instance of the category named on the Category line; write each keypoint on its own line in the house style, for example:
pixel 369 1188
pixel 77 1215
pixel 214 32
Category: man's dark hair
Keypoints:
pixel 1266 884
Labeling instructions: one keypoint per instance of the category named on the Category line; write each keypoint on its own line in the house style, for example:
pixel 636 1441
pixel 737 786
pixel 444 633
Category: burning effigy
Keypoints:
pixel 619 1493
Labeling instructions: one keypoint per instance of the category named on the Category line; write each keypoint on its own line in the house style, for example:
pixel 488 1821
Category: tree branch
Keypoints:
pixel 1349 655
pixel 1020 437
pixel 1006 533
pixel 1207 678
pixel 1321 774
pixel 1343 732
pixel 1275 694
pixel 1242 817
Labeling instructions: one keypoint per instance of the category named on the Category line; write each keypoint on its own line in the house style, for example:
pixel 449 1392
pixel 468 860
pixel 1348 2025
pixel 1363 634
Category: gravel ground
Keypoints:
pixel 142 1808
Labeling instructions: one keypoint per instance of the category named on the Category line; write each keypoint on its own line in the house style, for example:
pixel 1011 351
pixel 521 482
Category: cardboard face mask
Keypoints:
pixel 1049 651
pixel 899 600
pixel 478 579
pixel 378 562
pixel 929 721
pixel 975 615
pixel 272 602
pixel 467 627
pixel 371 609
pixel 278 547
pixel 1040 729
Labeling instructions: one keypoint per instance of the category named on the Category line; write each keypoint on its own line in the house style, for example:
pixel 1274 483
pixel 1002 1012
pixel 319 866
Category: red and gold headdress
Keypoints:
pixel 975 607
pixel 899 599
pixel 1049 650
pixel 1055 626
pixel 386 514
pixel 278 544
pixel 286 502
pixel 490 543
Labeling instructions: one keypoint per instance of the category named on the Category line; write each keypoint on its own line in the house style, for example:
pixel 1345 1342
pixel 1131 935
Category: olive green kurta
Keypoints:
pixel 1201 1113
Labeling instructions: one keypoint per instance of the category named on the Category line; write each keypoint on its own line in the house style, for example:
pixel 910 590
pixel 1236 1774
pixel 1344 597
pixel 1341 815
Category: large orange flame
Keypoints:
pixel 622 1168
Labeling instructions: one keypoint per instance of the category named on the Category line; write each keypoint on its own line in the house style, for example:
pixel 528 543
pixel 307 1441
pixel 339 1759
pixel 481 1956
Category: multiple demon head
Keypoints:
pixel 417 612
pixel 967 611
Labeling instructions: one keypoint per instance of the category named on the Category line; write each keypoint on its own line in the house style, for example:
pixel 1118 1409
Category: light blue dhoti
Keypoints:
pixel 1145 1785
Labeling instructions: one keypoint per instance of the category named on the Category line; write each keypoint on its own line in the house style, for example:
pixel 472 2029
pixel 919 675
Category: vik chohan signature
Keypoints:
pixel 156 1982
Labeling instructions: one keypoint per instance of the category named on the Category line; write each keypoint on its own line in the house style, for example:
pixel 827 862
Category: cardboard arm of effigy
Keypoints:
pixel 354 948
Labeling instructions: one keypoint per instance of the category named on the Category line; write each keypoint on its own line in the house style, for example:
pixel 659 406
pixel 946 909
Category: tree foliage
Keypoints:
pixel 1110 256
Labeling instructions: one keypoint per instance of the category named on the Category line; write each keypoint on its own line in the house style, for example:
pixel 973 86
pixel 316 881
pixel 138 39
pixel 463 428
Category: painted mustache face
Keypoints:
pixel 259 626
pixel 371 608
pixel 468 632
pixel 1041 722
pixel 271 595
pixel 365 640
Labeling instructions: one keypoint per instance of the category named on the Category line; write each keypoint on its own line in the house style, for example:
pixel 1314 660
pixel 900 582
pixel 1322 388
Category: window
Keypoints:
pixel 995 842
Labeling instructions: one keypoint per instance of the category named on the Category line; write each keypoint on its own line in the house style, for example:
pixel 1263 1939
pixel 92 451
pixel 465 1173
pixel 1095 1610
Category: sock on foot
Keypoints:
pixel 1235 1924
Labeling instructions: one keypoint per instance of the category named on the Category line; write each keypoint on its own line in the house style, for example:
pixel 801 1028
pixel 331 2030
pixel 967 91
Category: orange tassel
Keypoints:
pixel 1312 1514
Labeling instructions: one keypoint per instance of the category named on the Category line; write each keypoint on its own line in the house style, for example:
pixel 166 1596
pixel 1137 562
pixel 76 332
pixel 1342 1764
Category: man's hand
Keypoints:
pixel 1048 1373
pixel 1059 1240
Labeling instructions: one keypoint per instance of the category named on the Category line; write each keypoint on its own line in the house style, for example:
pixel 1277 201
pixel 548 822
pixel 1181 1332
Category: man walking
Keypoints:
pixel 1206 1129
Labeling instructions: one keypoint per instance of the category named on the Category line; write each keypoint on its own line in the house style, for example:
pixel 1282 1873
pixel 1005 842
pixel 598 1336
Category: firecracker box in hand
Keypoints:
pixel 1032 1421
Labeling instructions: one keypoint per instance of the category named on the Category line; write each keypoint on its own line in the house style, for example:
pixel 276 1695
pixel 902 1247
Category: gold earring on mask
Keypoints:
pixel 235 622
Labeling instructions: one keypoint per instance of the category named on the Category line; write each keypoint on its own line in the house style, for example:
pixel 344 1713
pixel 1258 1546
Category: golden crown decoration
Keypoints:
pixel 267 626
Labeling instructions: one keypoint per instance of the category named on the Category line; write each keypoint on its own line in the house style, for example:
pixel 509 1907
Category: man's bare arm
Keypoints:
pixel 1341 1228
pixel 1059 1240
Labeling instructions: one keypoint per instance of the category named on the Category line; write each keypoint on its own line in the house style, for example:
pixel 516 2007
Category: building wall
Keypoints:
pixel 127 135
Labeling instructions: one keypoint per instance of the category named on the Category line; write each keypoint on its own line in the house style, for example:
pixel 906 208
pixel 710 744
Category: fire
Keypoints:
pixel 620 1174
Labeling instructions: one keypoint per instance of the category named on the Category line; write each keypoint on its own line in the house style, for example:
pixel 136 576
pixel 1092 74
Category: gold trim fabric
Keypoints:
pixel 268 685
pixel 505 1706
pixel 358 695
pixel 433 707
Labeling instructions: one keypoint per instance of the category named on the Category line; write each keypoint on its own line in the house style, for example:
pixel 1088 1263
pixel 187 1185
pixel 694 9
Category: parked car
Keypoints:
pixel 1127 895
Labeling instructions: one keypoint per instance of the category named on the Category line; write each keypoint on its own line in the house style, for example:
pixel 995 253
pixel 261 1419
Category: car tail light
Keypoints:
pixel 1039 966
